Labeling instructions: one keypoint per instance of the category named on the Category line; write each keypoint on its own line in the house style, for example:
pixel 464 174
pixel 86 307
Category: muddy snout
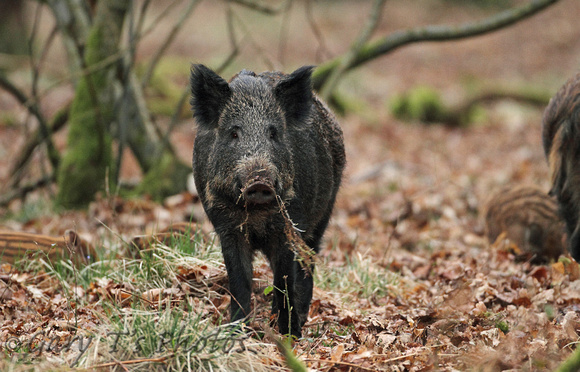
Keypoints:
pixel 258 182
pixel 259 193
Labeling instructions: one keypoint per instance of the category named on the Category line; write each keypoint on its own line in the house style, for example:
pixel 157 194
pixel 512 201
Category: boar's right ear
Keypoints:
pixel 209 95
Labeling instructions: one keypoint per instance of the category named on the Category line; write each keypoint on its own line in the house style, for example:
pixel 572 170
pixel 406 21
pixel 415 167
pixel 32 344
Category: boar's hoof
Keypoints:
pixel 259 193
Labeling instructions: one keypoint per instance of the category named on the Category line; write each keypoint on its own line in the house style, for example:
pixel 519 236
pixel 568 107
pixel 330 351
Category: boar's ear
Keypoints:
pixel 294 93
pixel 209 95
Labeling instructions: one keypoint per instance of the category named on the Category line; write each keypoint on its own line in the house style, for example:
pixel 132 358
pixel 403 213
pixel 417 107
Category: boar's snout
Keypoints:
pixel 259 182
pixel 259 193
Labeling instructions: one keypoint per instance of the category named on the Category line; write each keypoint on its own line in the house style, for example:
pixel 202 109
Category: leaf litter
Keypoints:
pixel 406 280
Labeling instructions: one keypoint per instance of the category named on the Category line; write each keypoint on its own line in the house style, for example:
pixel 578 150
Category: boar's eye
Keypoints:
pixel 234 133
pixel 273 133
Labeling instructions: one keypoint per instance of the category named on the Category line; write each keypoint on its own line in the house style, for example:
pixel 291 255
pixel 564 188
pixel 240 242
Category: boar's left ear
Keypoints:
pixel 294 93
pixel 209 95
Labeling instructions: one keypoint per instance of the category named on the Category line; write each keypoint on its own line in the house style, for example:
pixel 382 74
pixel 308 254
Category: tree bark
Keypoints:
pixel 88 158
pixel 12 27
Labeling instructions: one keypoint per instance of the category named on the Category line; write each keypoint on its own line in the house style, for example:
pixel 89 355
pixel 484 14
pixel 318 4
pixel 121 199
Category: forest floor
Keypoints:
pixel 406 279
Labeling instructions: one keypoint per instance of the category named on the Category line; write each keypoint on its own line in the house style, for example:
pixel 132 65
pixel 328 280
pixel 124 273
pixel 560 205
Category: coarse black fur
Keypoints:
pixel 561 140
pixel 266 145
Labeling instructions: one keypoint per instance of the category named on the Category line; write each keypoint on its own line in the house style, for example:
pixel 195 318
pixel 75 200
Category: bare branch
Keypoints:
pixel 261 52
pixel 168 40
pixel 186 92
pixel 21 192
pixel 73 20
pixel 36 139
pixel 233 42
pixel 322 49
pixel 255 5
pixel 18 94
pixel 142 13
pixel 398 39
pixel 284 27
pixel 157 20
pixel 52 153
pixel 33 109
pixel 350 56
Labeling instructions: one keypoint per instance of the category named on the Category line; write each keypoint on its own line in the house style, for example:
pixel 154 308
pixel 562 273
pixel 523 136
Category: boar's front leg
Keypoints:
pixel 285 269
pixel 303 290
pixel 238 260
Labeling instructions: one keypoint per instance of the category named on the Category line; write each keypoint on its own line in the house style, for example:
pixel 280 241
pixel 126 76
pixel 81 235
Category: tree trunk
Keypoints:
pixel 88 159
pixel 12 27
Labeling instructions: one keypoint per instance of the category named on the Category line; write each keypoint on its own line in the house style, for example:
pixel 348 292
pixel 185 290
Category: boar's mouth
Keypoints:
pixel 259 193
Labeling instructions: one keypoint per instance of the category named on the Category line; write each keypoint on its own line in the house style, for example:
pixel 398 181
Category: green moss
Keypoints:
pixel 343 104
pixel 502 326
pixel 8 120
pixel 88 159
pixel 167 177
pixel 89 154
pixel 565 260
pixel 167 86
pixel 419 104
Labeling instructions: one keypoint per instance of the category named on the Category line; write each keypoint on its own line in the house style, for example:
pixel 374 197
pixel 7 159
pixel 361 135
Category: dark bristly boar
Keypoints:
pixel 529 218
pixel 561 139
pixel 267 162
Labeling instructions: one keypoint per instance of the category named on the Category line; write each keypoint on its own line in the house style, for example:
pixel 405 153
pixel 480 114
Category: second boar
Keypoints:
pixel 561 139
pixel 529 218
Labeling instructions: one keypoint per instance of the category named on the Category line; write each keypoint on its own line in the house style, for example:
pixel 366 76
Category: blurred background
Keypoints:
pixel 138 68
pixel 438 112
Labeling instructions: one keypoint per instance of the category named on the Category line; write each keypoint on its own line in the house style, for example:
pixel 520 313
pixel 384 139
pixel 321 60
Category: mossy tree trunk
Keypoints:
pixel 12 27
pixel 88 158
pixel 154 155
pixel 164 173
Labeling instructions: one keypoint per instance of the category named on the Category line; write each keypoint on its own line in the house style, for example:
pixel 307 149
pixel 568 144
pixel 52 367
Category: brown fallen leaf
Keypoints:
pixel 336 353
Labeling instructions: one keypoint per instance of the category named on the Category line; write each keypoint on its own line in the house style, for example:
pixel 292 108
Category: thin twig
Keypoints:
pixel 44 129
pixel 127 65
pixel 175 117
pixel 254 5
pixel 33 109
pixel 339 363
pixel 284 27
pixel 227 61
pixel 34 140
pixel 168 40
pixel 351 55
pixel 322 50
pixel 134 361
pixel 248 35
pixel 19 193
pixel 158 19
pixel 142 13
pixel 233 41
pixel 83 72
pixel 398 39
pixel 53 155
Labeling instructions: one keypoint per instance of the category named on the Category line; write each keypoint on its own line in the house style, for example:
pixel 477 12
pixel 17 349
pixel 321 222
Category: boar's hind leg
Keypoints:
pixel 238 260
